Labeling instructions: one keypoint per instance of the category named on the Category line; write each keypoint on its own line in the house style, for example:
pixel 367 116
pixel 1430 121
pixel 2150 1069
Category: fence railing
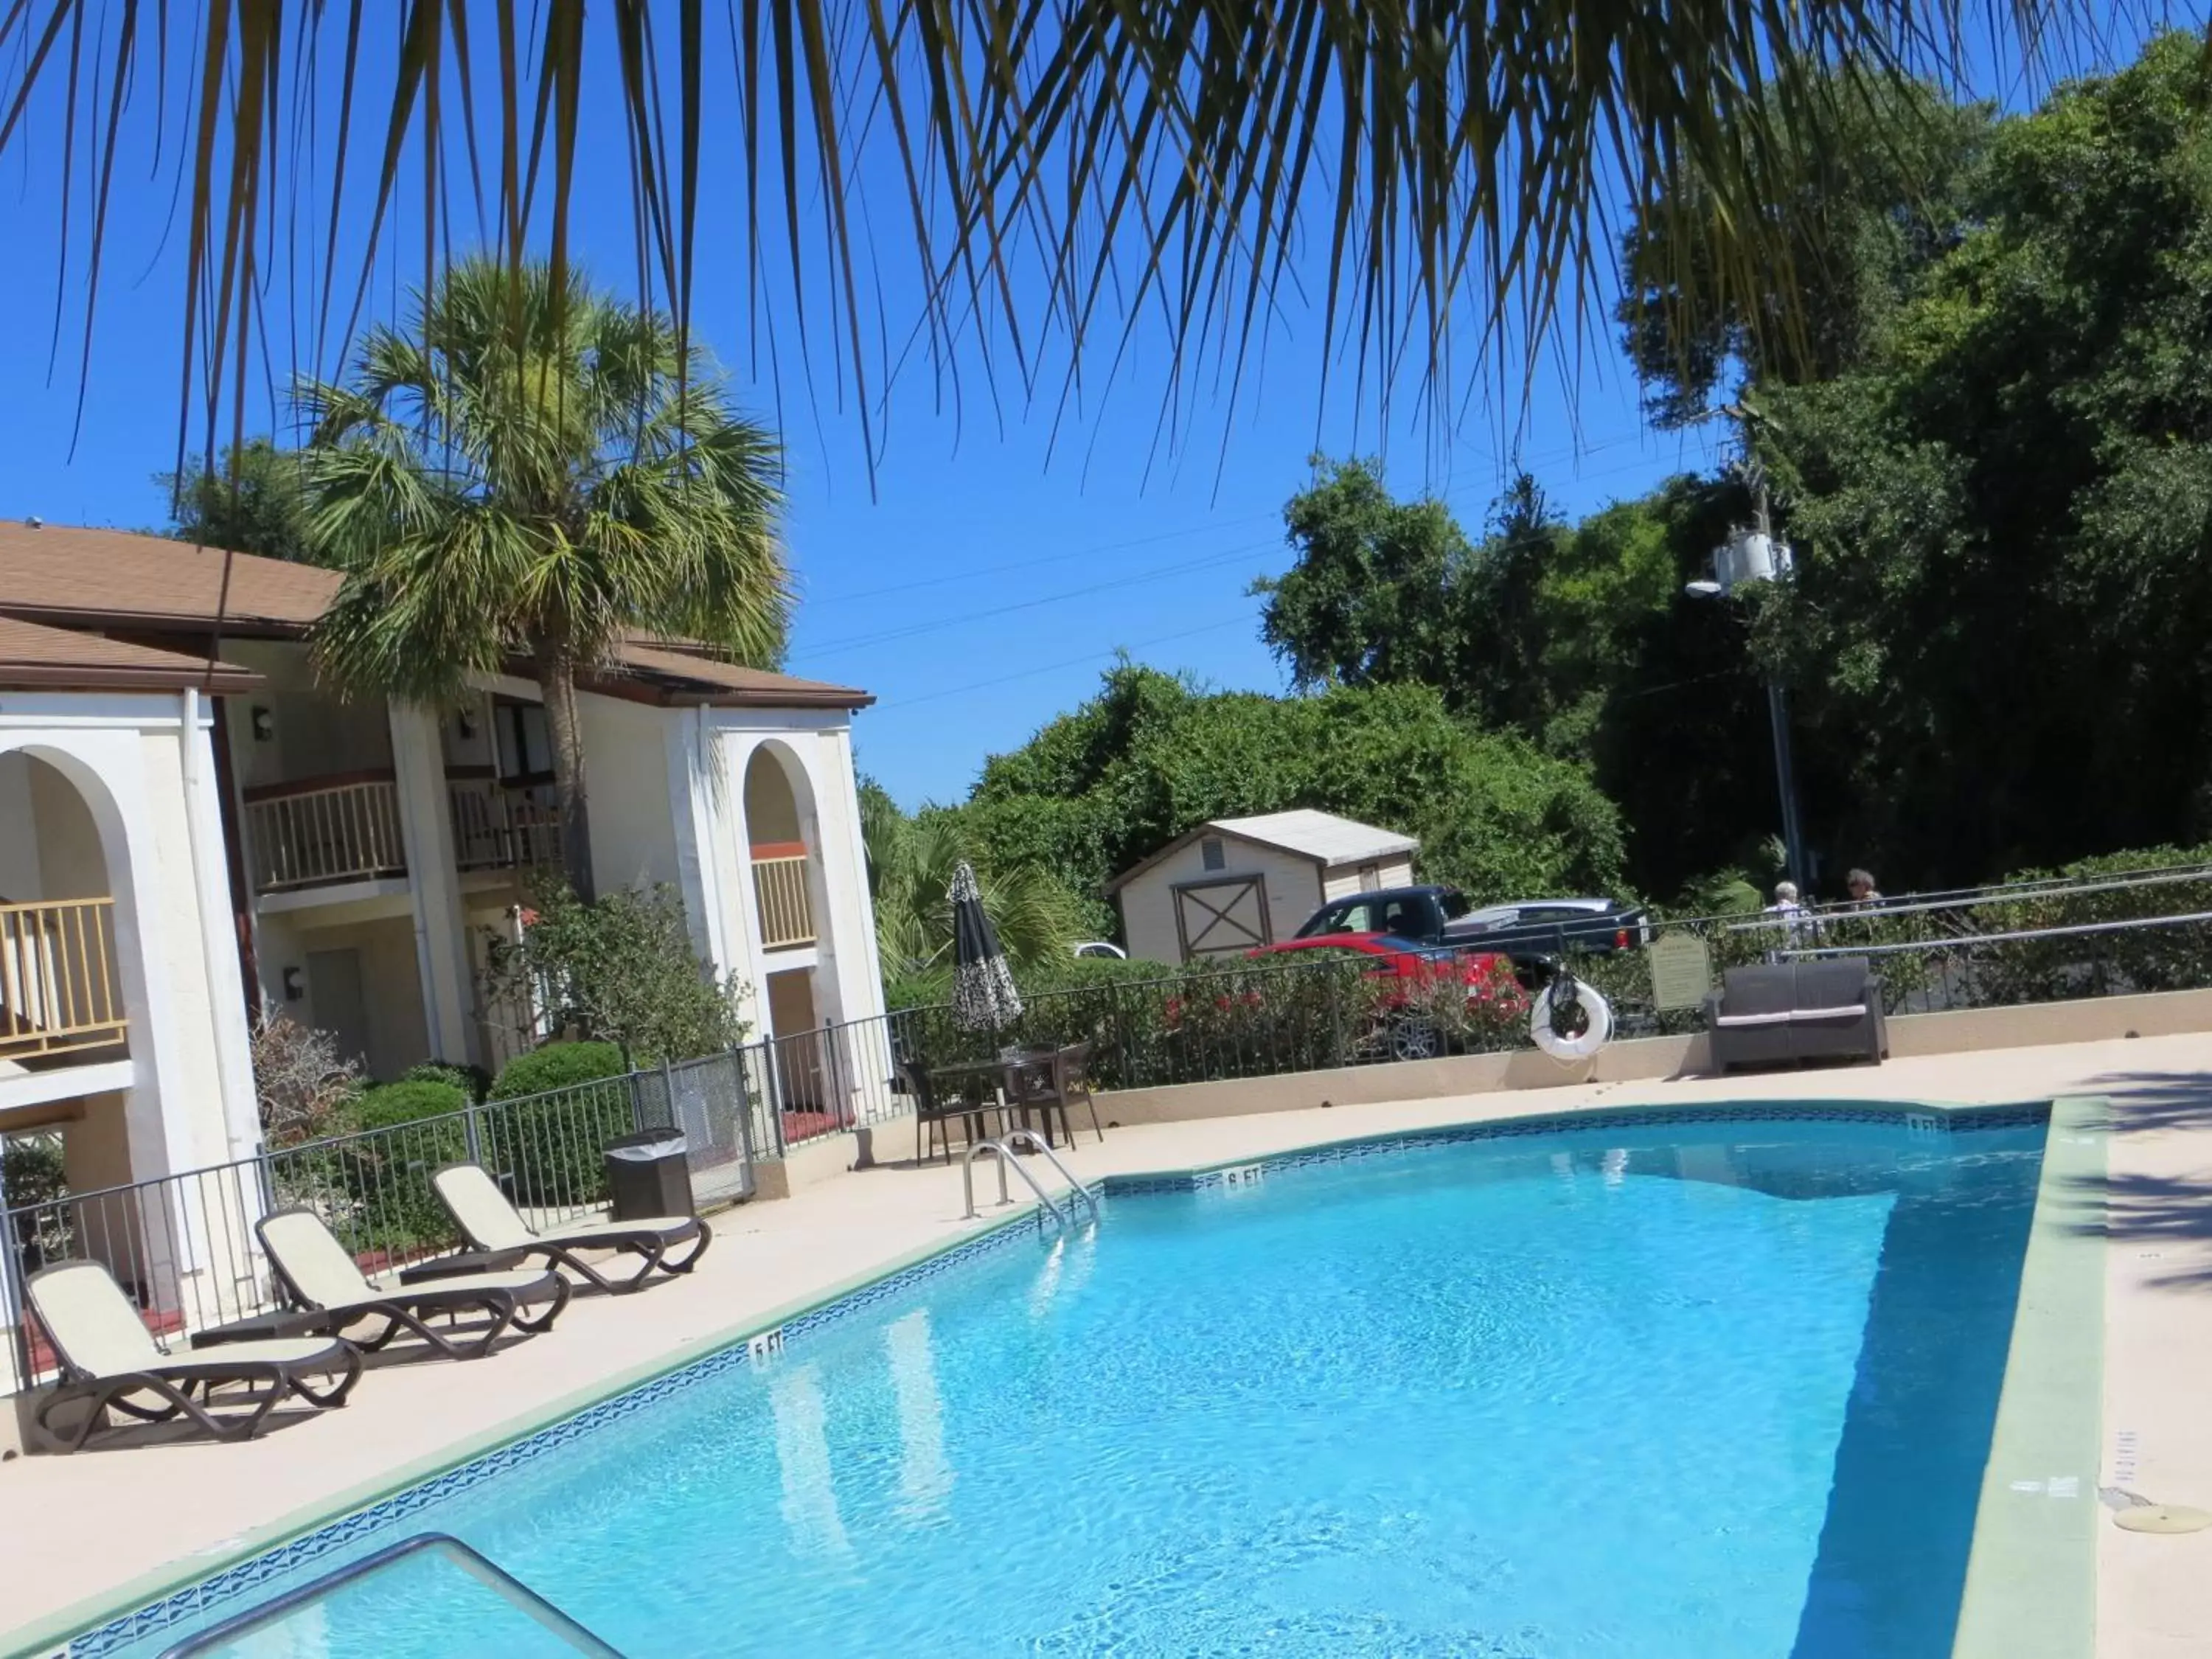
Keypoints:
pixel 498 826
pixel 781 900
pixel 58 986
pixel 326 829
pixel 184 1247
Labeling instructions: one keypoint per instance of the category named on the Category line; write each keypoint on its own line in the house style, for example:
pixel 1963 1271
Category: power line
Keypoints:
pixel 1068 662
pixel 1044 558
pixel 907 631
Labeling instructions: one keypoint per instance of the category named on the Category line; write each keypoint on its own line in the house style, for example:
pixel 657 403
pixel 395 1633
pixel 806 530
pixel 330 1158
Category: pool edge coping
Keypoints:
pixel 56 1635
pixel 2031 1589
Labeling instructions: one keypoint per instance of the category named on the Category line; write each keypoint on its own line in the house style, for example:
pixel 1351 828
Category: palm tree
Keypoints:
pixel 910 863
pixel 1455 168
pixel 534 471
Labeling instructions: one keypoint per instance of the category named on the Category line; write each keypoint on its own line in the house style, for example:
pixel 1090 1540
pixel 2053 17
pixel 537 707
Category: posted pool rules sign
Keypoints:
pixel 1681 970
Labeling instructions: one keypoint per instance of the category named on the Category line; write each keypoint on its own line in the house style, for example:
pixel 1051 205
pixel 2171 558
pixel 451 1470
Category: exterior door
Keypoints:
pixel 1226 917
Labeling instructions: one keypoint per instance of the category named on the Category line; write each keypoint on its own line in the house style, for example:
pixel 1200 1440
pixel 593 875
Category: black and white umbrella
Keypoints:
pixel 983 995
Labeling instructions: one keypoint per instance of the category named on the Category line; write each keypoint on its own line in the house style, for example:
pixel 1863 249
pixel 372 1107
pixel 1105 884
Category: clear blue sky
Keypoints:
pixel 982 584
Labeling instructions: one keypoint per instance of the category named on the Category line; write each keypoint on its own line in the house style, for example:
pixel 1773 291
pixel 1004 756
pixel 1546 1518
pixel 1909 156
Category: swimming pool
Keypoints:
pixel 1721 1388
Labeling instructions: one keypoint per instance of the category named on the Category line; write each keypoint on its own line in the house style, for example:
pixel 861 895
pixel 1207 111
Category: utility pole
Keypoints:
pixel 1777 703
pixel 1728 573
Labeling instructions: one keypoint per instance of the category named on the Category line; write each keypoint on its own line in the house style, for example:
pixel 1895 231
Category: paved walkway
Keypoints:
pixel 89 1528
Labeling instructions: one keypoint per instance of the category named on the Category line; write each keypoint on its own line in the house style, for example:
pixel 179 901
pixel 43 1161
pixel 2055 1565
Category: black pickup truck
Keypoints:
pixel 1533 933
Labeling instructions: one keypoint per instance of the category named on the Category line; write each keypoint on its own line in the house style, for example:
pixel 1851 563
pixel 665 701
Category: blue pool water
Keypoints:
pixel 1720 1390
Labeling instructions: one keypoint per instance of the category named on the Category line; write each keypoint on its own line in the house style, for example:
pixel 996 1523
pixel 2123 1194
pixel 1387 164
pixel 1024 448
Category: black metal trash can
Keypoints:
pixel 647 1175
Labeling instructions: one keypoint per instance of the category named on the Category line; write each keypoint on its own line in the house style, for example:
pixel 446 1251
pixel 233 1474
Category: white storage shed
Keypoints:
pixel 1233 884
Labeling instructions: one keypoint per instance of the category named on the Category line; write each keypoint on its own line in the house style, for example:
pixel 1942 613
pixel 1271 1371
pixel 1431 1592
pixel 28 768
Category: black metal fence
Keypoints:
pixel 183 1246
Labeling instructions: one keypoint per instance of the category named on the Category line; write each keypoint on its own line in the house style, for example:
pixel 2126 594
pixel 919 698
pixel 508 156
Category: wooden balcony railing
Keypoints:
pixel 58 989
pixel 781 900
pixel 320 830
pixel 498 826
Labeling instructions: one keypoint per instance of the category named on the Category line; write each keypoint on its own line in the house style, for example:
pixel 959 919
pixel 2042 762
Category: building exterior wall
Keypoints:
pixel 144 826
pixel 1343 880
pixel 1291 882
pixel 633 822
pixel 311 732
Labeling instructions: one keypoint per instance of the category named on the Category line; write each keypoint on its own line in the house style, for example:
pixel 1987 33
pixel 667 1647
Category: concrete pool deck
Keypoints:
pixel 88 1536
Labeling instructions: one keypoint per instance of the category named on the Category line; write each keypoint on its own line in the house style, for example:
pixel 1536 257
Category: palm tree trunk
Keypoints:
pixel 556 682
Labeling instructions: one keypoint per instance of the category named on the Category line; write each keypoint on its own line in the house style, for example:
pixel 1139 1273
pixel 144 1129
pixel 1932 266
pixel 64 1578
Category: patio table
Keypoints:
pixel 999 1070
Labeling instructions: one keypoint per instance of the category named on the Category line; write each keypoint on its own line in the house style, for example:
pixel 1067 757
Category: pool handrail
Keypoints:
pixel 473 1562
pixel 1004 1153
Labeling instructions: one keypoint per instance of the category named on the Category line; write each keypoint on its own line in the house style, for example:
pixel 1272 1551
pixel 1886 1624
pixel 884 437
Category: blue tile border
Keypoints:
pixel 216 1592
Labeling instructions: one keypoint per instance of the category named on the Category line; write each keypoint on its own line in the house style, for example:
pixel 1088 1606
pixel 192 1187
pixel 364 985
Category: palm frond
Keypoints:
pixel 1062 173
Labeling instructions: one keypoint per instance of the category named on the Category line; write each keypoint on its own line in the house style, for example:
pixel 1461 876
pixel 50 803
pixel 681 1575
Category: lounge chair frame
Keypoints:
pixel 105 1393
pixel 404 1309
pixel 650 1245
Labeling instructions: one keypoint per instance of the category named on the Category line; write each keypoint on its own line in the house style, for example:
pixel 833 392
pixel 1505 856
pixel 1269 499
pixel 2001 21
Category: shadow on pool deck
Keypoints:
pixel 1892 1564
pixel 2150 1210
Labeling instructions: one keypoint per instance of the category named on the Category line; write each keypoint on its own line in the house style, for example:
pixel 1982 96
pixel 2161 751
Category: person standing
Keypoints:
pixel 1860 885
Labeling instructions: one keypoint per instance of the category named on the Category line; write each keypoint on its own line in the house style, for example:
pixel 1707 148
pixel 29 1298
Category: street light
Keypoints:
pixel 1750 556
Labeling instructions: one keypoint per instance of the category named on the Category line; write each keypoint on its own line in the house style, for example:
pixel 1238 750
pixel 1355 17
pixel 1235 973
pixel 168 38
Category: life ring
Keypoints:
pixel 1596 1032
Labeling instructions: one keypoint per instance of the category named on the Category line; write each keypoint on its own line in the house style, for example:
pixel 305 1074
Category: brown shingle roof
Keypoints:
pixel 117 577
pixel 684 676
pixel 120 579
pixel 59 659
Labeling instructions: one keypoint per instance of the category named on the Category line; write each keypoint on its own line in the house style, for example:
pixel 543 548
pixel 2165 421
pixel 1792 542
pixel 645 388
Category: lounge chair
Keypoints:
pixel 317 1273
pixel 493 1227
pixel 107 1355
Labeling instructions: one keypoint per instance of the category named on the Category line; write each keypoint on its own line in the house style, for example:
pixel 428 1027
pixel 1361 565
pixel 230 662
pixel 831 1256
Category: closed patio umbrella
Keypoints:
pixel 983 995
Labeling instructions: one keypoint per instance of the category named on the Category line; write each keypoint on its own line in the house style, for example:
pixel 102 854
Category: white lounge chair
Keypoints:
pixel 107 1356
pixel 318 1274
pixel 494 1228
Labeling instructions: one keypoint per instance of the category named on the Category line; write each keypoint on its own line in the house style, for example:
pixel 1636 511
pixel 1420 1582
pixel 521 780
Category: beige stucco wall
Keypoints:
pixel 1292 885
pixel 626 757
pixel 1343 879
pixel 397 1034
pixel 312 733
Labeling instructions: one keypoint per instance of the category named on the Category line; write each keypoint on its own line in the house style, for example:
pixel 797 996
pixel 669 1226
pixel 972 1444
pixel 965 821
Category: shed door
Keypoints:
pixel 1222 918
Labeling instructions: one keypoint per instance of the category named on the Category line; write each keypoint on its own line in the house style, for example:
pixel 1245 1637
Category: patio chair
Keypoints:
pixel 317 1273
pixel 494 1227
pixel 107 1356
pixel 1048 1084
pixel 932 1111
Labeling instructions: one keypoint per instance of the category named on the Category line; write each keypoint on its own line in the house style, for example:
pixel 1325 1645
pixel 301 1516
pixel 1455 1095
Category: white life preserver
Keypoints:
pixel 1595 1035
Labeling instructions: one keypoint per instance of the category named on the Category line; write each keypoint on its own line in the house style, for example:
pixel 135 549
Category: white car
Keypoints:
pixel 1099 947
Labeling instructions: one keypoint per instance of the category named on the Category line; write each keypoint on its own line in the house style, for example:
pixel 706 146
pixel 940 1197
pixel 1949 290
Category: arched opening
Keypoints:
pixel 72 983
pixel 781 850
pixel 790 906
pixel 61 994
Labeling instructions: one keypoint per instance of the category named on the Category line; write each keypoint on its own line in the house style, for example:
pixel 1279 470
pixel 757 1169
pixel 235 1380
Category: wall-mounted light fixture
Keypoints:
pixel 466 721
pixel 265 724
pixel 295 986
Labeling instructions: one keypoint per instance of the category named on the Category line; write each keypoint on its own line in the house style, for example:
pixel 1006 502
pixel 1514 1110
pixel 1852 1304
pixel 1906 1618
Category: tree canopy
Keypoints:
pixel 537 477
pixel 1154 756
pixel 1996 472
pixel 253 501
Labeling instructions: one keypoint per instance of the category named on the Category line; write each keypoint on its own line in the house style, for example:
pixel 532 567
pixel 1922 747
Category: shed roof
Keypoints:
pixel 1322 837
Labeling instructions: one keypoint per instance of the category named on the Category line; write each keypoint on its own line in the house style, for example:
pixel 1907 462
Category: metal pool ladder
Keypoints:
pixel 1004 1153
pixel 218 1638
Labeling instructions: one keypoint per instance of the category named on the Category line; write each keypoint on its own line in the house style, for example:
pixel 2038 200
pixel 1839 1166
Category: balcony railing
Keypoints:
pixel 320 830
pixel 781 900
pixel 58 979
pixel 500 826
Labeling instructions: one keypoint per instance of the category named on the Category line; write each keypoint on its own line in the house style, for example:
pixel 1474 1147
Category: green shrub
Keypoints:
pixel 572 1101
pixel 383 1179
pixel 473 1081
pixel 408 1101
